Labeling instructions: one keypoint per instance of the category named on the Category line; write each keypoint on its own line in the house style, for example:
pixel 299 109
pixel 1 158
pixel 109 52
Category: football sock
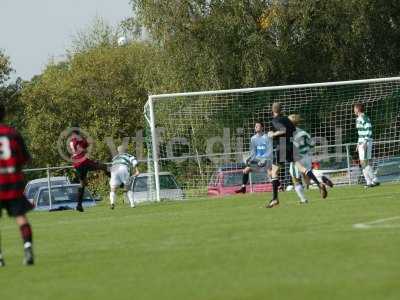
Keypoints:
pixel 130 197
pixel 275 187
pixel 245 179
pixel 311 175
pixel 81 190
pixel 113 196
pixel 300 192
pixel 367 177
pixel 371 174
pixel 26 234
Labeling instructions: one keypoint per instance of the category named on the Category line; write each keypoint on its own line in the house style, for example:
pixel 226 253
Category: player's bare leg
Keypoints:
pixel 129 197
pixel 113 197
pixel 275 186
pixel 245 180
pixel 26 234
pixel 370 178
pixel 306 181
pixel 324 179
pixel 322 188
pixel 327 181
pixel 298 187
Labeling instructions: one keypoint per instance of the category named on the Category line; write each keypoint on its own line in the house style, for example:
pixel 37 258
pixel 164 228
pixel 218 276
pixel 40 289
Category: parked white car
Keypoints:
pixel 169 188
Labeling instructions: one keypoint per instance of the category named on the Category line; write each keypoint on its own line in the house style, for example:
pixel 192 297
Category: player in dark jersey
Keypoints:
pixel 282 136
pixel 82 164
pixel 13 156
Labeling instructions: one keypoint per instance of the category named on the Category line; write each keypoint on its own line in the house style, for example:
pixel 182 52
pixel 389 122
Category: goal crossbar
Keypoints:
pixel 273 88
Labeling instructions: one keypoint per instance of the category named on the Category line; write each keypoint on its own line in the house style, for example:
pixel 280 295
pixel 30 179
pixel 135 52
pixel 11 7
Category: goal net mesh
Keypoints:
pixel 202 138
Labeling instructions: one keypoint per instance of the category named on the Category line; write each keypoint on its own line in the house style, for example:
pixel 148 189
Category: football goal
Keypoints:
pixel 202 138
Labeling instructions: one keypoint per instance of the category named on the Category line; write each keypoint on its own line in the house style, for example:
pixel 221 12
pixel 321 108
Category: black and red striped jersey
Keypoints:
pixel 78 146
pixel 13 156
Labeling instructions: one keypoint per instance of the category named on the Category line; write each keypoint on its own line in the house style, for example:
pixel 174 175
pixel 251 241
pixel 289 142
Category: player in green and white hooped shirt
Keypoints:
pixel 302 146
pixel 122 164
pixel 364 145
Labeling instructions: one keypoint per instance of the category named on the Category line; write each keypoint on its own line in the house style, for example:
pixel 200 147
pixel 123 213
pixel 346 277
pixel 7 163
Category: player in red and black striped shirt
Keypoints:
pixel 82 164
pixel 13 156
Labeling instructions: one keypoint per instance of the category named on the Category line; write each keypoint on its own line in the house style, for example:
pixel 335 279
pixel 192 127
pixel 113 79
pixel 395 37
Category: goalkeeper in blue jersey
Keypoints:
pixel 260 155
pixel 302 145
pixel 122 164
pixel 364 145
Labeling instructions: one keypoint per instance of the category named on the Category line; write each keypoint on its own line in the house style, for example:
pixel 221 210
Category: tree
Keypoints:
pixel 5 67
pixel 98 34
pixel 209 44
pixel 10 93
pixel 11 98
pixel 229 44
pixel 103 90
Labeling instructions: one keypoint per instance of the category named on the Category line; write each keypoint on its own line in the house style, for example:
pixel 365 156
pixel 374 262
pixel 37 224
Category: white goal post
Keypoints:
pixel 202 136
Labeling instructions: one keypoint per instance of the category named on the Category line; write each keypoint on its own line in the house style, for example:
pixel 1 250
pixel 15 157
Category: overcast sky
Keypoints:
pixel 33 31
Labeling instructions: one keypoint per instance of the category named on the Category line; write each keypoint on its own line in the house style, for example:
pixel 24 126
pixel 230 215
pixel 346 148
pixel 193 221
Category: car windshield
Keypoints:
pixel 233 179
pixel 167 182
pixel 140 184
pixel 35 187
pixel 333 163
pixel 60 195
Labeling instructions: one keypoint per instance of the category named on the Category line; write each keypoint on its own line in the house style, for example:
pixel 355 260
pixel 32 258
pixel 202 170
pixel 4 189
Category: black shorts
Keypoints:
pixel 16 207
pixel 254 164
pixel 89 165
pixel 281 156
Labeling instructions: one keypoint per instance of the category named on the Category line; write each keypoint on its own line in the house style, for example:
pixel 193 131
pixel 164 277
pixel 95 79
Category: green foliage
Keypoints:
pixel 10 94
pixel 10 97
pixel 5 67
pixel 230 44
pixel 103 90
pixel 98 34
pixel 203 45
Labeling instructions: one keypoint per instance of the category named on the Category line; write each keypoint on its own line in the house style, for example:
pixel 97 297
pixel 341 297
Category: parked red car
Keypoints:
pixel 228 178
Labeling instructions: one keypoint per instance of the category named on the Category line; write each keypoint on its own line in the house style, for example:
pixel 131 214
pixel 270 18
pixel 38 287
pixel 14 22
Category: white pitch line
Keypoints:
pixel 378 224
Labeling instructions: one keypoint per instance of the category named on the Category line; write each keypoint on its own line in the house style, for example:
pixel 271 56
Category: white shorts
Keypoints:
pixel 365 153
pixel 306 161
pixel 119 175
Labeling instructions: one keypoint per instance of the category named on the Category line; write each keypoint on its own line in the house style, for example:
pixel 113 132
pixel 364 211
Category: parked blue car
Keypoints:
pixel 63 197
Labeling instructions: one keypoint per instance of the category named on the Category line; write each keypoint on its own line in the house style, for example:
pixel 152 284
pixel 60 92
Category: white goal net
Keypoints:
pixel 199 139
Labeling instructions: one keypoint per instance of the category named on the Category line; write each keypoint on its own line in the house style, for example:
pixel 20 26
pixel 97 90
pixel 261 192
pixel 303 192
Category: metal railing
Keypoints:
pixel 384 152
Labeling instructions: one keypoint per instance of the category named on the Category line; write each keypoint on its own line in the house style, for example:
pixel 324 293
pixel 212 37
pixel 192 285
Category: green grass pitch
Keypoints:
pixel 228 248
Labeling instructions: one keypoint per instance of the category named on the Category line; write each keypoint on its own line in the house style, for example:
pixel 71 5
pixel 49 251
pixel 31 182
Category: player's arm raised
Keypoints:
pixel 134 164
